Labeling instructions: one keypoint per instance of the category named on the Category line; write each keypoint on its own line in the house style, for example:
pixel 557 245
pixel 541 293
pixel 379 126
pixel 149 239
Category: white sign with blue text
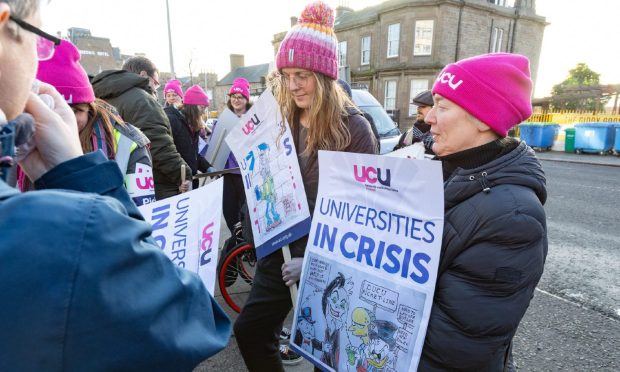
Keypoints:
pixel 370 266
pixel 263 146
pixel 187 229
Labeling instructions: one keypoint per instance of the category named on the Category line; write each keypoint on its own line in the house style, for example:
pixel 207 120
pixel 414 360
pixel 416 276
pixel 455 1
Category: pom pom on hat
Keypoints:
pixel 195 96
pixel 64 72
pixel 495 88
pixel 311 44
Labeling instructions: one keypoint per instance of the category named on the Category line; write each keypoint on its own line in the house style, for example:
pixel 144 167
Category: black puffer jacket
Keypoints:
pixel 131 95
pixel 185 140
pixel 492 257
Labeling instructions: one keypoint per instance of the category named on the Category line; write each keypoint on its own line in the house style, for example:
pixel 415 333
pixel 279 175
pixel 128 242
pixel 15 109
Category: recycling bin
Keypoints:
pixel 594 137
pixel 569 140
pixel 539 136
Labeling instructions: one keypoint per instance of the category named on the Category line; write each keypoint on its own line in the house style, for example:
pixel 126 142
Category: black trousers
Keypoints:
pixel 234 197
pixel 258 326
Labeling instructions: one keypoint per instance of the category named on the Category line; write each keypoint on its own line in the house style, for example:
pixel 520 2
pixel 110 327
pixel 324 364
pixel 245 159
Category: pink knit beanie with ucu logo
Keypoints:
pixel 495 88
pixel 311 44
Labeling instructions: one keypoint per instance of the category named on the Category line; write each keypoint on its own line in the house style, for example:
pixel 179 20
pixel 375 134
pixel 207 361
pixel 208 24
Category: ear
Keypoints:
pixel 5 13
pixel 143 74
pixel 482 127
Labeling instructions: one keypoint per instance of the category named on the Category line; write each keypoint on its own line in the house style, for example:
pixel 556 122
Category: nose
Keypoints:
pixel 292 85
pixel 430 117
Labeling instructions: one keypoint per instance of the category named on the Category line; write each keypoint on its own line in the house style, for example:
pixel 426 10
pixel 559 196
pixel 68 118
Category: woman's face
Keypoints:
pixel 452 127
pixel 172 98
pixel 301 84
pixel 81 114
pixel 238 102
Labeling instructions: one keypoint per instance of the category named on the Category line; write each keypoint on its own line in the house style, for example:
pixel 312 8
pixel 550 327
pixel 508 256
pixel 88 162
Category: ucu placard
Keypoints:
pixel 371 175
pixel 251 125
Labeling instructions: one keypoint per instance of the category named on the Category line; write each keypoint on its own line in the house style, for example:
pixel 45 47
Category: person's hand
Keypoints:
pixel 56 133
pixel 291 271
pixel 184 187
pixel 327 347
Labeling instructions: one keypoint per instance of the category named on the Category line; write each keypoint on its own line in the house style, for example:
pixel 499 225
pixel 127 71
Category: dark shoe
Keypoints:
pixel 289 357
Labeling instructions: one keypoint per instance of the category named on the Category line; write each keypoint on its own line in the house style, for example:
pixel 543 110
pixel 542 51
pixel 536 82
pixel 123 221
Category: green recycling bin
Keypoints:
pixel 569 140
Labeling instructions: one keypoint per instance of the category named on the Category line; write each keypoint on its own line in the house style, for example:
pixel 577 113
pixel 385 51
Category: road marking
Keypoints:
pixel 575 303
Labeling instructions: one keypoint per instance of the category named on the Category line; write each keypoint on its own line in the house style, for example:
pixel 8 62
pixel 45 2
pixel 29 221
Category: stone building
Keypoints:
pixel 255 75
pixel 395 49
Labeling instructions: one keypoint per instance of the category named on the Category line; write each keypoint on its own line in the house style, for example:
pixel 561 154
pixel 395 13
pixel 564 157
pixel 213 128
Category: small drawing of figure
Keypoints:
pixel 335 303
pixel 379 354
pixel 305 332
pixel 361 319
pixel 266 191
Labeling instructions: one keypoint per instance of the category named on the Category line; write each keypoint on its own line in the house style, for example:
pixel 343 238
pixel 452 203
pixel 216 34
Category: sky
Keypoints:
pixel 206 32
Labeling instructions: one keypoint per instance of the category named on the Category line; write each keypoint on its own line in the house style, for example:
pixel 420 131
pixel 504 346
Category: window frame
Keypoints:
pixel 391 41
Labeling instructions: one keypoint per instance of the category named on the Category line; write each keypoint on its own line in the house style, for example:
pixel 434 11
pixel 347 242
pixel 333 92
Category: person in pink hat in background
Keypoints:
pixel 186 123
pixel 99 125
pixel 495 236
pixel 173 93
pixel 234 191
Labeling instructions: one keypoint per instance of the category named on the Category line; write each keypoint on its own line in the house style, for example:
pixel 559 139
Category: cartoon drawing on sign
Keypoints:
pixel 305 333
pixel 266 191
pixel 335 303
pixel 361 319
pixel 379 355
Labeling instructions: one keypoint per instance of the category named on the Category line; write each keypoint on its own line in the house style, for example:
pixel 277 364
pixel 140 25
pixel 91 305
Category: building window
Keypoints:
pixel 417 86
pixel 393 40
pixel 496 40
pixel 390 95
pixel 365 50
pixel 342 53
pixel 423 42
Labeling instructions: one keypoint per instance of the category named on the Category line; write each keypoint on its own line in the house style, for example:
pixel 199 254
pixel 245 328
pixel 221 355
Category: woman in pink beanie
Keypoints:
pixel 173 93
pixel 186 123
pixel 100 126
pixel 321 117
pixel 495 236
pixel 234 191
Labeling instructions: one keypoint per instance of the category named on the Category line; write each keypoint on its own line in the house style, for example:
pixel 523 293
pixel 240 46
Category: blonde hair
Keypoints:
pixel 327 129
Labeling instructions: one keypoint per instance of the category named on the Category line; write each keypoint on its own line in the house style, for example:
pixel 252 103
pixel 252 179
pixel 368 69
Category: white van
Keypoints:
pixel 388 130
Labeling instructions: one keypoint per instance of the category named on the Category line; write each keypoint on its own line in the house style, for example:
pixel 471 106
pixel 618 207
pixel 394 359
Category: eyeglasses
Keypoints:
pixel 46 43
pixel 238 97
pixel 299 78
pixel 155 82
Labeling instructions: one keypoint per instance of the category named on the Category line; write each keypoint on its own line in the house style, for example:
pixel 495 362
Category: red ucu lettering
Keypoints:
pixel 251 125
pixel 145 183
pixel 372 175
pixel 205 245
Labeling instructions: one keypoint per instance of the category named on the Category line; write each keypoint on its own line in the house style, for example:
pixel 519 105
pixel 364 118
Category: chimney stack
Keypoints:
pixel 236 60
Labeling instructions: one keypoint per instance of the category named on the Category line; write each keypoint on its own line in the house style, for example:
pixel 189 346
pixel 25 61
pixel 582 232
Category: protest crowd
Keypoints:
pixel 86 283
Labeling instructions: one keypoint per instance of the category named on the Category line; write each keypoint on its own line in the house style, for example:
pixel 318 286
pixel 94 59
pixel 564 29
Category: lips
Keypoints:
pixel 334 312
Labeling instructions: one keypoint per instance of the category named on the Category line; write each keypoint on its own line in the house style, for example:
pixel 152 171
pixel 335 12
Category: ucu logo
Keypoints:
pixel 448 78
pixel 251 125
pixel 372 175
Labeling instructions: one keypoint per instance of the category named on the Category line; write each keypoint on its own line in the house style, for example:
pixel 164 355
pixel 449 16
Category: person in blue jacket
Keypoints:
pixel 84 287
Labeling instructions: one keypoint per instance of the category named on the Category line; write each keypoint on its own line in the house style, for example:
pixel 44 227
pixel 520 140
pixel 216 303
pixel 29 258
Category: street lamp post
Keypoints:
pixel 170 40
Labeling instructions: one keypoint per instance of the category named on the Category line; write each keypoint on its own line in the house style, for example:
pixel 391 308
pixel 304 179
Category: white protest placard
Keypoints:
pixel 217 148
pixel 370 266
pixel 140 185
pixel 187 229
pixel 264 148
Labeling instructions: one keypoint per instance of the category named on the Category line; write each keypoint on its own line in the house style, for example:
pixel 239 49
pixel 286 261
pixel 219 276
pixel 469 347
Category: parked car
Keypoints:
pixel 387 128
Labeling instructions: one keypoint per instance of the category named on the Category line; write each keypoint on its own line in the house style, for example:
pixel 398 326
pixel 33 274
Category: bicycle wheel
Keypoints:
pixel 237 271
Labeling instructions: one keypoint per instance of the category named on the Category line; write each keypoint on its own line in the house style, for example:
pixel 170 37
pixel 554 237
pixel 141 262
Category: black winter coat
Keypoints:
pixel 131 95
pixel 492 257
pixel 185 140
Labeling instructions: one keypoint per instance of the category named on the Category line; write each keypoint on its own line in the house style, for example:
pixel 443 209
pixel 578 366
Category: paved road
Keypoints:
pixel 573 323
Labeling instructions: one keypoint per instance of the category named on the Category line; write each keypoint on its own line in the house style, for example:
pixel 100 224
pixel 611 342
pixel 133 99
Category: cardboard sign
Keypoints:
pixel 370 267
pixel 217 149
pixel 187 228
pixel 264 148
pixel 140 185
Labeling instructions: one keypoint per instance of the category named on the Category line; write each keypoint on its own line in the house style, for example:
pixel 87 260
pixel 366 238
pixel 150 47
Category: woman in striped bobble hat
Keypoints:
pixel 321 117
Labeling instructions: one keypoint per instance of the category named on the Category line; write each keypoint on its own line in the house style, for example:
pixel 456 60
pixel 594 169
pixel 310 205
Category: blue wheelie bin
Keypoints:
pixel 617 142
pixel 539 136
pixel 594 137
